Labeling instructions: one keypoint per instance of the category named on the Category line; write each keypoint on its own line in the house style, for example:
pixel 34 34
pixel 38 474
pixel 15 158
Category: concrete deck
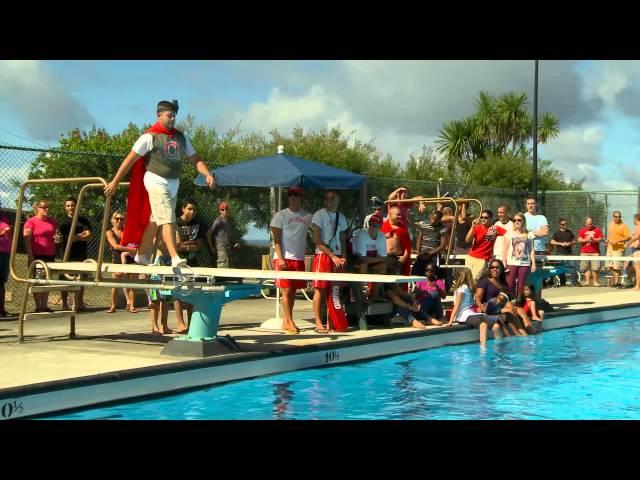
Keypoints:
pixel 122 341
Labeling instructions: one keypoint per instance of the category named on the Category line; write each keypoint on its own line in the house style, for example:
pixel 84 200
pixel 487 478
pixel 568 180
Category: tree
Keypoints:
pixel 500 126
pixel 514 171
pixel 427 166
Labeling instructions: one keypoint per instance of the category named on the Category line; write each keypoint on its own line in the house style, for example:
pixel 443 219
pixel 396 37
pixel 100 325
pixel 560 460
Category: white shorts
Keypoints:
pixel 163 197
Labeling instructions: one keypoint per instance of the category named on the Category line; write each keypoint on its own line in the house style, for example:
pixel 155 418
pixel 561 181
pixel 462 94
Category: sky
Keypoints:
pixel 400 105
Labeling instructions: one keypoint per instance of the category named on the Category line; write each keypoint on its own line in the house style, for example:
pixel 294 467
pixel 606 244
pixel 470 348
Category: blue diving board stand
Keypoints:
pixel 202 340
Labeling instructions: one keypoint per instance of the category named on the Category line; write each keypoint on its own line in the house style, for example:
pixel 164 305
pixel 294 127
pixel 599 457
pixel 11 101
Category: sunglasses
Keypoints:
pixel 563 224
pixel 495 267
pixel 517 220
pixel 483 217
pixel 118 219
pixel 617 216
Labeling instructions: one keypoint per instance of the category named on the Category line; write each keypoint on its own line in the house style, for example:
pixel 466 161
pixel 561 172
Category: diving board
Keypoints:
pixel 86 267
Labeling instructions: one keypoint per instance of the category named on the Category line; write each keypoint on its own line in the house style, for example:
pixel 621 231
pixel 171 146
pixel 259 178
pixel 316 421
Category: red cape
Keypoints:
pixel 138 207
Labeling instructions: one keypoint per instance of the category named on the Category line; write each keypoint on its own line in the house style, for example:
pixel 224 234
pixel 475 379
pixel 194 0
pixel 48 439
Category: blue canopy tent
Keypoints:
pixel 282 170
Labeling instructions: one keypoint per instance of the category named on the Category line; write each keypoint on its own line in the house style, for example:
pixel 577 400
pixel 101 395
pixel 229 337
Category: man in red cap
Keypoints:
pixel 370 249
pixel 225 237
pixel 156 158
pixel 289 228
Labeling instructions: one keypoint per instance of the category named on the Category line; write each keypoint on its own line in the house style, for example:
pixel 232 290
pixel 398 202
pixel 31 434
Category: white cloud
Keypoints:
pixel 577 152
pixel 39 101
pixel 403 104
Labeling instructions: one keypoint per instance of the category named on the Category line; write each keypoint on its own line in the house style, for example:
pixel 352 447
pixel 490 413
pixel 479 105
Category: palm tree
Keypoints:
pixel 500 125
pixel 548 128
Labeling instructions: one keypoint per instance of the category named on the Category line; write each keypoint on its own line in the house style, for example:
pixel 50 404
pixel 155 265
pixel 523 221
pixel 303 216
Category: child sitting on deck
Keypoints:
pixel 158 299
pixel 527 308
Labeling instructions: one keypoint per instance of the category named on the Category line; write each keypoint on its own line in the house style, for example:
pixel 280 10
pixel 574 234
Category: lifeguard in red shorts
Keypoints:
pixel 328 227
pixel 289 227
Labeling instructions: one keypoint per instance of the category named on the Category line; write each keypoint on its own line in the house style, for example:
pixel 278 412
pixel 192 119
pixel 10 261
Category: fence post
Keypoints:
pixel 363 198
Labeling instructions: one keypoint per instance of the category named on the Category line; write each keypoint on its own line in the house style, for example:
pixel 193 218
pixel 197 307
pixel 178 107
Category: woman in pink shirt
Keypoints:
pixel 5 250
pixel 40 237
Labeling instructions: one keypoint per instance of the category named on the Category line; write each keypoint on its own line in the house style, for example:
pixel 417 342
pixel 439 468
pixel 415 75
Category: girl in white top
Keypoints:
pixel 464 311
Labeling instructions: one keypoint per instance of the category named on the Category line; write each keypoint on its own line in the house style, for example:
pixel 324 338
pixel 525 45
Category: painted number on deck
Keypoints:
pixel 10 409
pixel 331 357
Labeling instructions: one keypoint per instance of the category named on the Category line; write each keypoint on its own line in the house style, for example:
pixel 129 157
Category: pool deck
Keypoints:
pixel 120 346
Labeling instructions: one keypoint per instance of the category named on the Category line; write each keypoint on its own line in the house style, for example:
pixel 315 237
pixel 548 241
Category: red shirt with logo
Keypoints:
pixel 483 240
pixel 586 233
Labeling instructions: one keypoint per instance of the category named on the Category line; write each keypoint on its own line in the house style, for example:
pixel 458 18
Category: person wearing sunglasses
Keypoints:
pixel 226 237
pixel 491 299
pixel 114 235
pixel 563 240
pixel 518 250
pixel 289 228
pixel 618 234
pixel 483 234
pixel 41 234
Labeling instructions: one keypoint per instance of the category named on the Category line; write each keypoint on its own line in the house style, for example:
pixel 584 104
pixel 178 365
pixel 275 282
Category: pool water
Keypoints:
pixel 588 372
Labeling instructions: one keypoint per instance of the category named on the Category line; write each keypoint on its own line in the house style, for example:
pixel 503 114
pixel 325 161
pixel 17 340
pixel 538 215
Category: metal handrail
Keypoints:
pixel 96 182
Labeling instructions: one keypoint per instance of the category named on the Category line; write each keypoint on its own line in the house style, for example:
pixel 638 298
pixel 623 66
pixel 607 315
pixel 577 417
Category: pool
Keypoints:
pixel 588 372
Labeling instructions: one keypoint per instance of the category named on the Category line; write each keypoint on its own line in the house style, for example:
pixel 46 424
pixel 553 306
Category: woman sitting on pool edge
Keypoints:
pixel 464 308
pixel 490 285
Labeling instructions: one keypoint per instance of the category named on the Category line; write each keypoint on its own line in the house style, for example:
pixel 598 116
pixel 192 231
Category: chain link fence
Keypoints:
pixel 251 208
pixel 576 206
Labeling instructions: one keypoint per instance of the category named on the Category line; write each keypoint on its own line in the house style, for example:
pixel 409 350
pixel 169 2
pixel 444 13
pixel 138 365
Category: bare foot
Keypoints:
pixel 436 322
pixel 167 331
pixel 418 324
pixel 636 288
pixel 156 333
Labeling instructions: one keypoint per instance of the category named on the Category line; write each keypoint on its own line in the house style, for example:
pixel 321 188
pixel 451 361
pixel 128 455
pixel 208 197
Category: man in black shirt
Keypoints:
pixel 191 234
pixel 563 241
pixel 78 251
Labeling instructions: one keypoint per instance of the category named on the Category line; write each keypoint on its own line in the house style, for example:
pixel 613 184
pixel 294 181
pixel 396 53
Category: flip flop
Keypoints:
pixel 133 310
pixel 321 330
pixel 182 332
pixel 288 331
pixel 111 310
